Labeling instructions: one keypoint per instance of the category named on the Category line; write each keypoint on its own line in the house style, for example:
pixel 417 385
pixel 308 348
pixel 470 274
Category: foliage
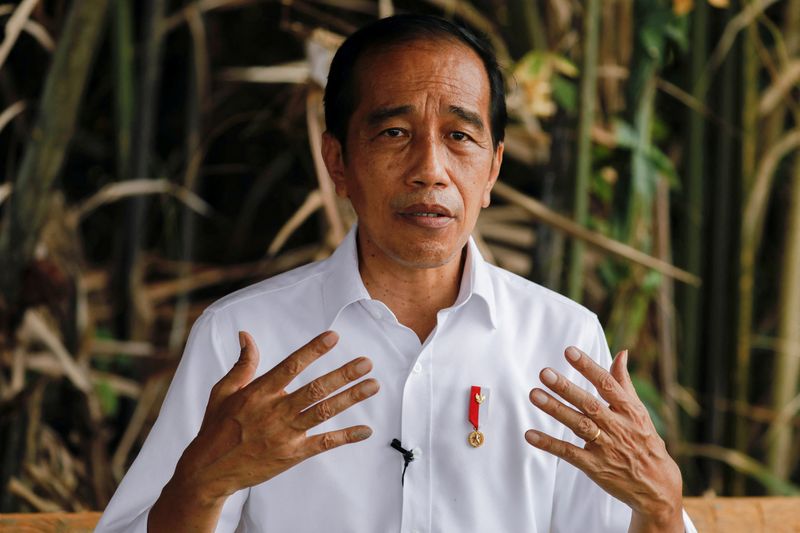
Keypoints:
pixel 190 168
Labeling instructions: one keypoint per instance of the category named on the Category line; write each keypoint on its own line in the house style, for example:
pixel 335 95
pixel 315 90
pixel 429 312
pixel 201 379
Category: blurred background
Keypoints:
pixel 158 154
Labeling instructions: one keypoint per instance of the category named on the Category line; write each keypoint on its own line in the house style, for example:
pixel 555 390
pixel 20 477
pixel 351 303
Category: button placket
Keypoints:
pixel 416 422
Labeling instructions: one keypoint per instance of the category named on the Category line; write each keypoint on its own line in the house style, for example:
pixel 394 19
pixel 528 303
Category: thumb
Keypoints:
pixel 619 369
pixel 243 370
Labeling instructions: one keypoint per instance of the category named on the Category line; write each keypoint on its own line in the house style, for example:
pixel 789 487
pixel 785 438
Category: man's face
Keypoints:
pixel 420 162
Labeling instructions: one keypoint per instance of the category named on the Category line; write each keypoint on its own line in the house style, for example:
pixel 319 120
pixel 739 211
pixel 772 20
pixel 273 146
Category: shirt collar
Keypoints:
pixel 344 285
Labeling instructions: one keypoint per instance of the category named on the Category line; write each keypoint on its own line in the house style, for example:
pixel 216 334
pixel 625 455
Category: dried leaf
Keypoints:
pixel 311 204
pixel 14 27
pixel 118 191
pixel 682 7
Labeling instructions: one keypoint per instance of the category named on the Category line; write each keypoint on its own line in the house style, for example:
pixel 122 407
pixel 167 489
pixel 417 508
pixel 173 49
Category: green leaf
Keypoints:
pixel 109 401
pixel 565 93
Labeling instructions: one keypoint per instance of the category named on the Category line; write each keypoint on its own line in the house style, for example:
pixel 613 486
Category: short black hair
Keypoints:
pixel 341 87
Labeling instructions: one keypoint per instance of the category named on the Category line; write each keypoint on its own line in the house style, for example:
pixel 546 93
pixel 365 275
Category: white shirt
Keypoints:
pixel 499 334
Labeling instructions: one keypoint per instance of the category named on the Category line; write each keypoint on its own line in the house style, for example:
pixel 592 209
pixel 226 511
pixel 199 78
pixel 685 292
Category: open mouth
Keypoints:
pixel 427 215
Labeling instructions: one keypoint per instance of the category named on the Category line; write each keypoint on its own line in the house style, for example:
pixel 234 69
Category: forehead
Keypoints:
pixel 436 72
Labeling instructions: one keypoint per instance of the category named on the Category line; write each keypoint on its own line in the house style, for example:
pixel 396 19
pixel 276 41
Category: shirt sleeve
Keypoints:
pixel 207 357
pixel 579 504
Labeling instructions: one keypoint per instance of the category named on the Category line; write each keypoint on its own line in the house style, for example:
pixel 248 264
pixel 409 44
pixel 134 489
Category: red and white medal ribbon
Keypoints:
pixel 476 399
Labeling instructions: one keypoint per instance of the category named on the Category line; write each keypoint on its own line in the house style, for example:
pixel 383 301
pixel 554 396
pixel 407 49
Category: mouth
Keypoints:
pixel 427 215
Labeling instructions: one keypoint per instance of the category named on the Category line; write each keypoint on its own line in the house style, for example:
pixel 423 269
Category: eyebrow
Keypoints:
pixel 469 116
pixel 384 113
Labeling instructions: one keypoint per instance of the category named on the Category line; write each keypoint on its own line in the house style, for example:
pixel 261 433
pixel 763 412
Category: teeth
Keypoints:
pixel 425 214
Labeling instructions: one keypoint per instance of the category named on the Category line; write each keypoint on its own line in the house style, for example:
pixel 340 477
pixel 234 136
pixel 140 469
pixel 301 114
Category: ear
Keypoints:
pixel 497 160
pixel 334 161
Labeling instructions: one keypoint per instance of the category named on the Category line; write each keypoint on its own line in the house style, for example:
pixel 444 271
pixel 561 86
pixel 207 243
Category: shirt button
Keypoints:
pixel 417 453
pixel 417 368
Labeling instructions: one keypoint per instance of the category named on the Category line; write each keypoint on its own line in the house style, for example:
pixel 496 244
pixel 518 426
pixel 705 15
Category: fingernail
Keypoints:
pixel 625 359
pixel 369 387
pixel 549 377
pixel 363 366
pixel 361 434
pixel 242 340
pixel 533 437
pixel 539 397
pixel 330 339
pixel 573 354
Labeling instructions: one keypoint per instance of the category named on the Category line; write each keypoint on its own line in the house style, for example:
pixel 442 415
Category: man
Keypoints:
pixel 301 443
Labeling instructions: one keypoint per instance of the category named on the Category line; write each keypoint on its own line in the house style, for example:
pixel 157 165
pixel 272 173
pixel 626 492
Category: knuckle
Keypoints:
pixel 569 453
pixel 318 347
pixel 216 390
pixel 316 391
pixel 585 426
pixel 292 366
pixel 327 442
pixel 247 400
pixel 564 386
pixel 362 391
pixel 592 407
pixel 641 415
pixel 350 373
pixel 323 411
pixel 608 383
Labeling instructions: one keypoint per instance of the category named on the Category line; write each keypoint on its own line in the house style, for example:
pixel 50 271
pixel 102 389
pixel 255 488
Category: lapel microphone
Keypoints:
pixel 408 456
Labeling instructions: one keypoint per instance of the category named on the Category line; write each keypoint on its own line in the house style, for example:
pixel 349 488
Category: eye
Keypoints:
pixel 392 133
pixel 459 136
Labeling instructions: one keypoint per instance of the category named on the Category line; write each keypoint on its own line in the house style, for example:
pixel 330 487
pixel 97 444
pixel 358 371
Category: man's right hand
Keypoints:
pixel 253 430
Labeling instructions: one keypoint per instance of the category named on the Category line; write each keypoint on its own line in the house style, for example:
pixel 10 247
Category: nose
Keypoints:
pixel 429 168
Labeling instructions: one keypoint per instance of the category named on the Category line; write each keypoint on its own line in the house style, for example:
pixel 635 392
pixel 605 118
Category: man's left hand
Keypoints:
pixel 623 452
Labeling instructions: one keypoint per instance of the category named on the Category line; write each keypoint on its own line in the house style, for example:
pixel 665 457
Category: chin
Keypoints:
pixel 425 254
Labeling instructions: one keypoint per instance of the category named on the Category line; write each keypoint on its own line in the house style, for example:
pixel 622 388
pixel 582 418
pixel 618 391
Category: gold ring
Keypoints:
pixel 594 438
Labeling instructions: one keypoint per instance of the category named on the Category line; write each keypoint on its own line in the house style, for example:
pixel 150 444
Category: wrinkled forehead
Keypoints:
pixel 414 66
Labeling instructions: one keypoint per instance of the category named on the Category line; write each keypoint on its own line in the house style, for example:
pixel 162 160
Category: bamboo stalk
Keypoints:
pixel 122 42
pixel 584 167
pixel 666 319
pixel 690 245
pixel 45 152
pixel 750 82
pixel 787 365
pixel 721 304
pixel 785 395
pixel 132 319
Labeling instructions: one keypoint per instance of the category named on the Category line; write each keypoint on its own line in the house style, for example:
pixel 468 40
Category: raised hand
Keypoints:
pixel 254 430
pixel 623 452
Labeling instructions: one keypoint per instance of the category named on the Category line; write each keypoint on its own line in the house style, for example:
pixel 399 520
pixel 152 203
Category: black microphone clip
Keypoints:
pixel 408 456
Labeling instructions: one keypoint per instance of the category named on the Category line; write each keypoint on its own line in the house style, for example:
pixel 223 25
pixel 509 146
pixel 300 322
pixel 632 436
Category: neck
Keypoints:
pixel 414 295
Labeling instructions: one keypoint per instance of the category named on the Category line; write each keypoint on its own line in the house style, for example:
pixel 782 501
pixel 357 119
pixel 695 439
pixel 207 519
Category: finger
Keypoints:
pixel 322 387
pixel 619 369
pixel 322 411
pixel 288 369
pixel 580 424
pixel 578 397
pixel 608 387
pixel 333 439
pixel 577 457
pixel 242 371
